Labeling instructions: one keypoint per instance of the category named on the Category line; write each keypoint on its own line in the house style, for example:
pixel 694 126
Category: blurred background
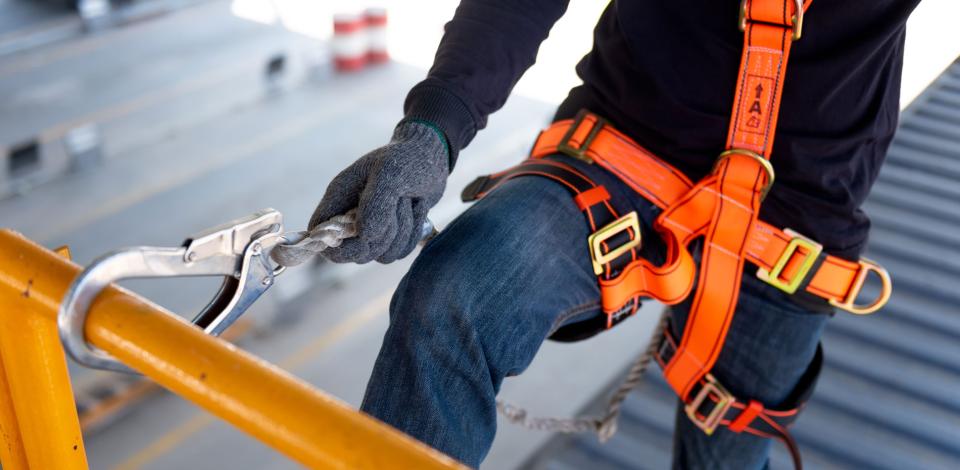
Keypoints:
pixel 139 122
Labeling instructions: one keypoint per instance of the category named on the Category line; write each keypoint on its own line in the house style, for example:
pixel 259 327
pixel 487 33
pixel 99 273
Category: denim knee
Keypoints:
pixel 431 296
pixel 445 311
pixel 497 278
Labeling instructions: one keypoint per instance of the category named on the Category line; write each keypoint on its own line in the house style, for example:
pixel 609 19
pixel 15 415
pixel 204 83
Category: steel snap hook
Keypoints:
pixel 242 251
pixel 237 250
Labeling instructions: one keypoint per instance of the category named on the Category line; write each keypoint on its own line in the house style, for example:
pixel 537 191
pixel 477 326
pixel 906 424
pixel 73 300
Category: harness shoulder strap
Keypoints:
pixel 738 184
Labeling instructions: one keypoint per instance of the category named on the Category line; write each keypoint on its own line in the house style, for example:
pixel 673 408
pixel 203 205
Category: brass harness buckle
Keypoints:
pixel 797 241
pixel 595 240
pixel 724 400
pixel 796 19
pixel 580 153
pixel 812 249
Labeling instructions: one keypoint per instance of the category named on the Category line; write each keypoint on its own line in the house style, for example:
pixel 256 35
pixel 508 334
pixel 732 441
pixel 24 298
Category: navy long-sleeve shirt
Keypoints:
pixel 664 73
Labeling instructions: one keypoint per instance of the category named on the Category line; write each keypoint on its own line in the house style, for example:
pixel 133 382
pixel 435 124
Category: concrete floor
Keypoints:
pixel 191 138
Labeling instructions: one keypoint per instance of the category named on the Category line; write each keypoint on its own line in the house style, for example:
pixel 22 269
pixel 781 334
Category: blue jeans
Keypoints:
pixel 484 295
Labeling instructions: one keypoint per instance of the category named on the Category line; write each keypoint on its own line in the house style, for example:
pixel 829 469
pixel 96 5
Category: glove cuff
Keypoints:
pixel 427 137
pixel 437 105
pixel 436 129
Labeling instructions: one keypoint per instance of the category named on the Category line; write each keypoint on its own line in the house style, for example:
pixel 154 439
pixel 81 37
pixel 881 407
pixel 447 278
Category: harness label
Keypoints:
pixel 755 104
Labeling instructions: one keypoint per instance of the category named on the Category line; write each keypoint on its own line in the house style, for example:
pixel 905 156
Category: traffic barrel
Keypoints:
pixel 376 20
pixel 349 41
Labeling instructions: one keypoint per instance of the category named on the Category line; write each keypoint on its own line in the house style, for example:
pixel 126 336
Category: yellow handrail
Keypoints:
pixel 268 403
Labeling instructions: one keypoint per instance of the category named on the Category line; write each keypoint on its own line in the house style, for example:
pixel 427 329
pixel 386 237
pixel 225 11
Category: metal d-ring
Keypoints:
pixel 764 163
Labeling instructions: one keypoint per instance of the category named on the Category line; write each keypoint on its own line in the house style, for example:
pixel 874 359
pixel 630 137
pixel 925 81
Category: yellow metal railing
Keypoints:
pixel 38 421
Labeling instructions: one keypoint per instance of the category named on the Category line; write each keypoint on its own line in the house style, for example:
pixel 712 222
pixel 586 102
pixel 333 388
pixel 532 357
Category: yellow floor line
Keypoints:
pixel 200 420
pixel 352 323
pixel 88 43
pixel 260 144
pixel 167 442
pixel 137 103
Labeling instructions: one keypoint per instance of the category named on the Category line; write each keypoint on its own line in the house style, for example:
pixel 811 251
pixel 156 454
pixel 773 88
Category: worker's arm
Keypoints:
pixel 487 46
pixel 484 51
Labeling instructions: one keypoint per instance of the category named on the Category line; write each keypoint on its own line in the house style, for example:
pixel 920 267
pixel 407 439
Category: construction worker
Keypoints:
pixel 513 270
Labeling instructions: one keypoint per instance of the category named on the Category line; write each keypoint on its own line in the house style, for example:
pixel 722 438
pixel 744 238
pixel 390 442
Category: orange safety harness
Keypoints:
pixel 722 208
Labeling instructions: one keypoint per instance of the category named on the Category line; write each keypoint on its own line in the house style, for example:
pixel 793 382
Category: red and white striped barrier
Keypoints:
pixel 349 41
pixel 376 19
pixel 360 39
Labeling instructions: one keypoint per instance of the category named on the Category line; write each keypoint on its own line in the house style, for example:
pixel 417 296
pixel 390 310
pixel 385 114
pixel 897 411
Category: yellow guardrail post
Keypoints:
pixel 12 455
pixel 268 403
pixel 38 382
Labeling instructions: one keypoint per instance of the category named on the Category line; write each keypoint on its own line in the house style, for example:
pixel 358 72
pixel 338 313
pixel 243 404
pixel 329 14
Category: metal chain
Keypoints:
pixel 605 426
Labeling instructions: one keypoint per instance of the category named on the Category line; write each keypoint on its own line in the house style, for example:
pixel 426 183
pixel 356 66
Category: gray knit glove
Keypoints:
pixel 392 189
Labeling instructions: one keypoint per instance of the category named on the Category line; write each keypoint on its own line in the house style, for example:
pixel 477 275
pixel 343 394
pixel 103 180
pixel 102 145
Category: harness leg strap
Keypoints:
pixel 614 242
pixel 712 406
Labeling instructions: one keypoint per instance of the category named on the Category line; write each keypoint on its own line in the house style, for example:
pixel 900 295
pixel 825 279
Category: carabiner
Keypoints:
pixel 237 250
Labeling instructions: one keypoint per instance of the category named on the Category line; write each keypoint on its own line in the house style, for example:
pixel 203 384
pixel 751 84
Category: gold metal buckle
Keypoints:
pixel 767 166
pixel 886 288
pixel 595 240
pixel 797 241
pixel 709 422
pixel 796 19
pixel 580 153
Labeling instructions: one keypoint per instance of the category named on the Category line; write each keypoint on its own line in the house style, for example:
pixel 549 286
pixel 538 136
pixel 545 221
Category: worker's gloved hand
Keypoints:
pixel 392 189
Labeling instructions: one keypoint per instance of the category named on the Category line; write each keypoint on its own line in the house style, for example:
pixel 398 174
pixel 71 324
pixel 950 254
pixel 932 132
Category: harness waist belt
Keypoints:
pixel 784 258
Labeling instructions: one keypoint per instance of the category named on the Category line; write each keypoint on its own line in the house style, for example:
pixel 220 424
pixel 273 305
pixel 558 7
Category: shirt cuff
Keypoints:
pixel 437 105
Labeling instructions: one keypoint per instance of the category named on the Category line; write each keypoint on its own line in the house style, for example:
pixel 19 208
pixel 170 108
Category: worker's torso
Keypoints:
pixel 664 72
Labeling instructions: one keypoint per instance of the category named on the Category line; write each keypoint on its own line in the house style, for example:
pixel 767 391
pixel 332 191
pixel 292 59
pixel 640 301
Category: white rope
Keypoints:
pixel 605 426
pixel 332 232
pixel 328 234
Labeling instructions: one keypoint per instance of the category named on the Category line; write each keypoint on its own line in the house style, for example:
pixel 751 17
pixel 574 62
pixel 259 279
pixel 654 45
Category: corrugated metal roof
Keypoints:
pixel 889 396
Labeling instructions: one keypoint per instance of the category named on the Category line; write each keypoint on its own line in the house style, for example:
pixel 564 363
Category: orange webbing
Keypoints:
pixel 739 182
pixel 757 100
pixel 832 280
pixel 752 410
pixel 593 196
pixel 646 174
pixel 664 186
